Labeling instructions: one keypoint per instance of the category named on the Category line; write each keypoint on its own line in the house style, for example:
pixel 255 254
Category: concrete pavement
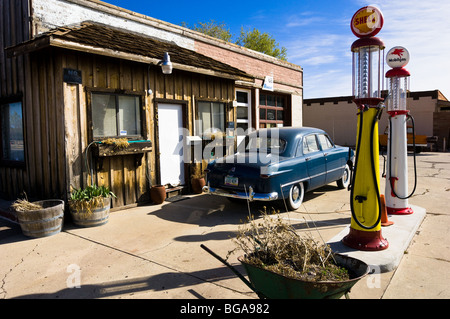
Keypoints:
pixel 154 251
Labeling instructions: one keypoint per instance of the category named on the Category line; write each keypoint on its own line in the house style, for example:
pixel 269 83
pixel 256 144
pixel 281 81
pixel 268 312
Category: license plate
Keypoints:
pixel 231 181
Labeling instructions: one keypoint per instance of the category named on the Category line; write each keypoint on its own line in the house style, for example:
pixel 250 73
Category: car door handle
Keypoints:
pixel 307 158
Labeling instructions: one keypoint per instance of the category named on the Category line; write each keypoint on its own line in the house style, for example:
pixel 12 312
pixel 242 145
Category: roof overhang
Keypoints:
pixel 58 39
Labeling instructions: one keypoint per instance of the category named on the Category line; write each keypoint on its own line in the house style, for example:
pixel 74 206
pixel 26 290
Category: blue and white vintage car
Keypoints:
pixel 280 164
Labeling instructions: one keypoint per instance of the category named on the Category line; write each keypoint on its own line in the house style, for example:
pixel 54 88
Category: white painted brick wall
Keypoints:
pixel 49 14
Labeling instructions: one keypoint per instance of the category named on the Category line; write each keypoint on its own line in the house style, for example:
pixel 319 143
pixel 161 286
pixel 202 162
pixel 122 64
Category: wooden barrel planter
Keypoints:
pixel 95 216
pixel 42 222
pixel 158 194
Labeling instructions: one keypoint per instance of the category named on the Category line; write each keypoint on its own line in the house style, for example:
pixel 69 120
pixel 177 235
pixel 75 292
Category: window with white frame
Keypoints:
pixel 243 109
pixel 243 112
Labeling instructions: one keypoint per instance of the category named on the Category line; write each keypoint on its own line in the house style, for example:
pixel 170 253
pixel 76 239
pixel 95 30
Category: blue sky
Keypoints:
pixel 317 34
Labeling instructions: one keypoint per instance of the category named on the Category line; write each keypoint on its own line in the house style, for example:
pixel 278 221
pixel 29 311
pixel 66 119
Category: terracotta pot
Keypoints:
pixel 197 185
pixel 158 194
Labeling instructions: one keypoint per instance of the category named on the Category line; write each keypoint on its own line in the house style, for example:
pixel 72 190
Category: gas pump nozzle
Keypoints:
pixel 381 106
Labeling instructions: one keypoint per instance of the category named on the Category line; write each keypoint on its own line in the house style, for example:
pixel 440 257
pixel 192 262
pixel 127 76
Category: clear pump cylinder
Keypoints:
pixel 398 86
pixel 368 68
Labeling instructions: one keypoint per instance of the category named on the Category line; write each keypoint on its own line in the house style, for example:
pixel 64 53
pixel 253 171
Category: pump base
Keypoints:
pixel 399 211
pixel 365 240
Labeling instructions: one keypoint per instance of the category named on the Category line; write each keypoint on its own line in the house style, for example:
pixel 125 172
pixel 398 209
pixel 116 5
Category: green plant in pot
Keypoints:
pixel 90 206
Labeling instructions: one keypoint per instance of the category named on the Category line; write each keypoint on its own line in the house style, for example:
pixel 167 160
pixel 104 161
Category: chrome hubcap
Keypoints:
pixel 295 193
pixel 346 175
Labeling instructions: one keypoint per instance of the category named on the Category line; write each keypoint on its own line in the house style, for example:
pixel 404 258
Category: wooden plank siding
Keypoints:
pixel 13 78
pixel 56 115
pixel 128 182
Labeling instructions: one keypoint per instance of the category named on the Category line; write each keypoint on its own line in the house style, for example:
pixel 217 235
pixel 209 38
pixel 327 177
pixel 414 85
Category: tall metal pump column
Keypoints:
pixel 365 198
pixel 397 160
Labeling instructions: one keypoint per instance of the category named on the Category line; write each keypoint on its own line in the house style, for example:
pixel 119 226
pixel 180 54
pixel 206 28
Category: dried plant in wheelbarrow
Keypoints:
pixel 272 244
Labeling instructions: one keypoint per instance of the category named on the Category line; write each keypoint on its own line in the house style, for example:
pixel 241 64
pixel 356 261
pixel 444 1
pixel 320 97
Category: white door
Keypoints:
pixel 244 113
pixel 170 129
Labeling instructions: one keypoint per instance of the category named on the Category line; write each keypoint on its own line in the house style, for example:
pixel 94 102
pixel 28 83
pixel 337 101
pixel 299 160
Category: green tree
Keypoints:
pixel 212 28
pixel 255 40
pixel 261 42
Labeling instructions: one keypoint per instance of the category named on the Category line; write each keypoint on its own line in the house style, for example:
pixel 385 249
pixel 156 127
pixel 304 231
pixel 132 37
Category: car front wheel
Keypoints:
pixel 295 196
pixel 345 179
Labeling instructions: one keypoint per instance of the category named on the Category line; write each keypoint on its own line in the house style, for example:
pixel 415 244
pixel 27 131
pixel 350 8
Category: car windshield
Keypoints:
pixel 264 144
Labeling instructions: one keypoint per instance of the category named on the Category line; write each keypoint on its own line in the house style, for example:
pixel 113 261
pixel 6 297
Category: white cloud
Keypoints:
pixel 316 45
pixel 326 60
pixel 420 26
pixel 301 21
pixel 328 83
pixel 319 60
pixel 423 28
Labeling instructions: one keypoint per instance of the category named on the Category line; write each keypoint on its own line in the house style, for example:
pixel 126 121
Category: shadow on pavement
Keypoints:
pixel 157 283
pixel 207 210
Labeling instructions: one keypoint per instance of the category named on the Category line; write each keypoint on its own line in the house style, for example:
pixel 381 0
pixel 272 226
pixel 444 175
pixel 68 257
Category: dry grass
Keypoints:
pixel 273 244
pixel 23 205
pixel 119 143
pixel 197 172
pixel 85 208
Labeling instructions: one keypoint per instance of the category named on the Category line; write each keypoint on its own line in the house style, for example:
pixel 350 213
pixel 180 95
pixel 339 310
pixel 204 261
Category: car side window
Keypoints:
pixel 310 144
pixel 298 151
pixel 325 142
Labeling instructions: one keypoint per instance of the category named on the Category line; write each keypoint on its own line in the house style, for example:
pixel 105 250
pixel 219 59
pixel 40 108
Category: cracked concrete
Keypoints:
pixel 3 290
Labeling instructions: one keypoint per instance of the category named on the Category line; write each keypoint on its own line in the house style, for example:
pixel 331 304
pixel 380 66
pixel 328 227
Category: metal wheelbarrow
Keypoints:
pixel 269 285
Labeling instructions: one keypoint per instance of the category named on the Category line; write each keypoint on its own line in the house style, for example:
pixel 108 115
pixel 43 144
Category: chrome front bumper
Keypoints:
pixel 251 195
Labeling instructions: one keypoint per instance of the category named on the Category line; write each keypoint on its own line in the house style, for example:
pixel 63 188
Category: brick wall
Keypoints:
pixel 286 76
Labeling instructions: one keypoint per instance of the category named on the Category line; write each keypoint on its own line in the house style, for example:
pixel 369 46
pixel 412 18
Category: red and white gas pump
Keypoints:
pixel 396 189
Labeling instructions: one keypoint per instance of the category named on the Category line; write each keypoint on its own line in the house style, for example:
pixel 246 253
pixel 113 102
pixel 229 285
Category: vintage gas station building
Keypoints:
pixel 75 72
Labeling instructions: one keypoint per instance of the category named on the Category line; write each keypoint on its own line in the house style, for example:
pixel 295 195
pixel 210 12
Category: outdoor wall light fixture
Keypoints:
pixel 166 65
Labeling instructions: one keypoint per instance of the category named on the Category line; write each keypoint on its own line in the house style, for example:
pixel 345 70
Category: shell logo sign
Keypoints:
pixel 367 22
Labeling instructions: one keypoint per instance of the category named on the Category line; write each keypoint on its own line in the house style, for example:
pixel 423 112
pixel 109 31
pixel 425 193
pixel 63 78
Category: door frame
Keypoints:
pixel 185 122
pixel 313 161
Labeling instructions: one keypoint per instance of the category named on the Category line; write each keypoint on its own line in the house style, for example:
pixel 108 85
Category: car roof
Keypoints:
pixel 289 134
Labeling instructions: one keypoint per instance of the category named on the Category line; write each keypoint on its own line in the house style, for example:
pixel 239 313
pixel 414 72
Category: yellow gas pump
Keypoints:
pixel 365 198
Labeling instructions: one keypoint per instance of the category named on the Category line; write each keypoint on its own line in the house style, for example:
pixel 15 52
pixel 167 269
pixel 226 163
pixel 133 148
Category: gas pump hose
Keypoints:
pixel 390 159
pixel 375 120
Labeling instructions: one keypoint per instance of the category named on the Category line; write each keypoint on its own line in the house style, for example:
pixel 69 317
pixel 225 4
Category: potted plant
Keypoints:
pixel 90 206
pixel 197 180
pixel 41 218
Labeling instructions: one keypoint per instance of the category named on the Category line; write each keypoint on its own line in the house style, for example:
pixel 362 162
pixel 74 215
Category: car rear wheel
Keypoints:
pixel 345 179
pixel 295 198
